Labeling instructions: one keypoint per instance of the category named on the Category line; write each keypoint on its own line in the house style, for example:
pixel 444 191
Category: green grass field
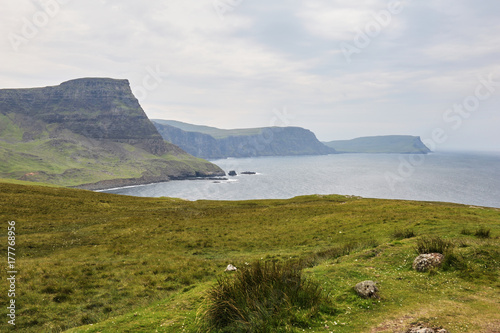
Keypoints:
pixel 96 262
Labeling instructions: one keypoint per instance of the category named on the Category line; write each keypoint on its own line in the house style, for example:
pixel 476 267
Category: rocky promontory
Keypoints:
pixel 87 131
pixel 213 143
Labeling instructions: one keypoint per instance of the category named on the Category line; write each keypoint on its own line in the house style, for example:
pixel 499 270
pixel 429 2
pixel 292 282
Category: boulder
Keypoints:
pixel 427 261
pixel 367 289
pixel 232 173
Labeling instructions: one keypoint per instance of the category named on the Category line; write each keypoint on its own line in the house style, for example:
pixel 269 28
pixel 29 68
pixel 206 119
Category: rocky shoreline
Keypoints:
pixel 124 182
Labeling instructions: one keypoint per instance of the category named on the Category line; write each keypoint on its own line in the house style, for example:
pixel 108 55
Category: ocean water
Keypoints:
pixel 466 178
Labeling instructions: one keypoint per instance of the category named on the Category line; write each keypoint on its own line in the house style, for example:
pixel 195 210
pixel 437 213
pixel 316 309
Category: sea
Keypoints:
pixel 457 177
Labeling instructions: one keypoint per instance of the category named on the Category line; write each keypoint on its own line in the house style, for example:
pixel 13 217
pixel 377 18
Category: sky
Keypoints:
pixel 340 68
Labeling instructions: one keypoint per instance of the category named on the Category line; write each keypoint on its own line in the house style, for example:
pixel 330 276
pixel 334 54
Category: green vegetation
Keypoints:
pixel 403 233
pixel 214 132
pixel 433 245
pixel 214 143
pixel 262 298
pixel 402 144
pixel 96 262
pixel 87 131
pixel 482 232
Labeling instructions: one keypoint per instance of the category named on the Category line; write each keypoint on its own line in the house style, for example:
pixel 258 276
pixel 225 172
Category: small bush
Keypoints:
pixel 262 297
pixel 403 233
pixel 482 232
pixel 429 244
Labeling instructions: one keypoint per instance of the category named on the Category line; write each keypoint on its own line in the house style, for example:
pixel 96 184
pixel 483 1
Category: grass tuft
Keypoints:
pixel 466 232
pixel 403 233
pixel 482 232
pixel 261 298
pixel 428 244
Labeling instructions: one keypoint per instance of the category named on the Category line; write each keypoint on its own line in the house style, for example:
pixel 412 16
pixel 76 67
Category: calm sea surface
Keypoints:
pixel 467 178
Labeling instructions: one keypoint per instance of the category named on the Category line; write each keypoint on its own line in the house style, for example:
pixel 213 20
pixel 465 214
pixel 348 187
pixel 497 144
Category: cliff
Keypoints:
pixel 87 131
pixel 401 144
pixel 213 143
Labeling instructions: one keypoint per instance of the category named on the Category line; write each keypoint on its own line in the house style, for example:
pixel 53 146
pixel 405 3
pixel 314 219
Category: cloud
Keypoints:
pixel 233 68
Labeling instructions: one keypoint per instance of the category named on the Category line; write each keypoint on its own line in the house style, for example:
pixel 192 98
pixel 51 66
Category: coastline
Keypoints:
pixel 113 184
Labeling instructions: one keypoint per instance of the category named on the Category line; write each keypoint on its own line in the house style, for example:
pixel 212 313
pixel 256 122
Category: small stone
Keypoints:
pixel 367 289
pixel 230 268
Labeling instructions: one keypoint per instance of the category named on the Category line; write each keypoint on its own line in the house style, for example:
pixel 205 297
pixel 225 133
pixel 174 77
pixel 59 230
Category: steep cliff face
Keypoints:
pixel 87 131
pixel 195 143
pixel 102 109
pixel 267 141
pixel 398 144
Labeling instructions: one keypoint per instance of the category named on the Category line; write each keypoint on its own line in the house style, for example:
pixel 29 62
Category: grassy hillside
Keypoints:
pixel 402 144
pixel 87 131
pixel 69 159
pixel 96 262
pixel 216 133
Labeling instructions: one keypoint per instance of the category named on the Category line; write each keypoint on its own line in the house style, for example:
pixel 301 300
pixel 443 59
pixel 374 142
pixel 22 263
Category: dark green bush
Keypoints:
pixel 262 297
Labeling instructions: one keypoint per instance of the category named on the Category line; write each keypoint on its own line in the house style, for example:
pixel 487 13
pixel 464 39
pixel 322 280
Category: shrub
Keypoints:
pixel 262 297
pixel 429 244
pixel 482 232
pixel 403 233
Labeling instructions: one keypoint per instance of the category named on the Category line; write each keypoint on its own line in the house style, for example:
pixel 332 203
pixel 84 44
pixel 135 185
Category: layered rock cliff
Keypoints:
pixel 266 141
pixel 399 144
pixel 87 131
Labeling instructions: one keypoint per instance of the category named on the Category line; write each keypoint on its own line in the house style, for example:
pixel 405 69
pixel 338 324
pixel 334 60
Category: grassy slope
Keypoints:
pixel 380 144
pixel 143 264
pixel 217 133
pixel 71 159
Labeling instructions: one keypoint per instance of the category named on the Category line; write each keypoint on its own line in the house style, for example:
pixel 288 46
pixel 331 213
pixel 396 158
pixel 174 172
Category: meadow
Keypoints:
pixel 97 262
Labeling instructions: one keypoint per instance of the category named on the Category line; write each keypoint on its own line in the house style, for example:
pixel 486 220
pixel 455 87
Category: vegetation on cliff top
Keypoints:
pixel 400 144
pixel 97 262
pixel 86 131
pixel 214 143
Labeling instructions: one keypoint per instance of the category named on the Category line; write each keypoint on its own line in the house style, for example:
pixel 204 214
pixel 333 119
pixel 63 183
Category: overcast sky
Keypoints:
pixel 340 68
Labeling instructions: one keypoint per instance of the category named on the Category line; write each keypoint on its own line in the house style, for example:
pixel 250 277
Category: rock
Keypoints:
pixel 230 268
pixel 232 173
pixel 367 289
pixel 420 328
pixel 248 173
pixel 425 262
pixel 267 141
